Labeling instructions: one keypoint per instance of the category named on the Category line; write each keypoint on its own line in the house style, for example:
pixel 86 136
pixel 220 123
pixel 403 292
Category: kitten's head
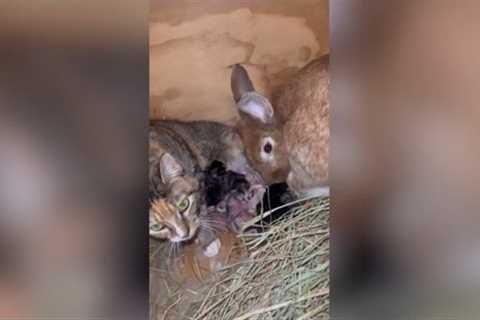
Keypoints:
pixel 219 182
pixel 175 216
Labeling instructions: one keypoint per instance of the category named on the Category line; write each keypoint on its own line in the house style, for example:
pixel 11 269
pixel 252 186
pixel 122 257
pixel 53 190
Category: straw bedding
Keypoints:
pixel 285 276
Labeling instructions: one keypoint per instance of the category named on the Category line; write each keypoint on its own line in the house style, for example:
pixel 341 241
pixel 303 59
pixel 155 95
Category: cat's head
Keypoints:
pixel 175 216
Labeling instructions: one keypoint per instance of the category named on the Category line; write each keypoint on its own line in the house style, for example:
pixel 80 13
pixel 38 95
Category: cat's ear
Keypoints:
pixel 249 102
pixel 169 168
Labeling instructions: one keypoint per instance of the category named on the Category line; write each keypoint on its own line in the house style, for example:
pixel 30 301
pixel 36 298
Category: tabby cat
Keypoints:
pixel 178 153
pixel 213 247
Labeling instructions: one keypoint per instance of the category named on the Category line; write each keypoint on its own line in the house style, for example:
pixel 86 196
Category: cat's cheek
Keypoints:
pixel 166 234
pixel 194 228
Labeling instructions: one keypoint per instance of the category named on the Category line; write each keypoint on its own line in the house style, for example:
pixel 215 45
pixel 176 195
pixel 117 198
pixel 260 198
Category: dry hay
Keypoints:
pixel 286 275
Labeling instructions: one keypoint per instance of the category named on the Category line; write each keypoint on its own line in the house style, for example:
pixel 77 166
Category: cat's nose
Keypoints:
pixel 183 233
pixel 182 238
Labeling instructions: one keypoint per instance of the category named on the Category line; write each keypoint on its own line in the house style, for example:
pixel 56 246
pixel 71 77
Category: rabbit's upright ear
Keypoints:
pixel 247 99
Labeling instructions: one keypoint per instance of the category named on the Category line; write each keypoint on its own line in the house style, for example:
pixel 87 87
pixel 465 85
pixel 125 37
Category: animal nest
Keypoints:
pixel 285 276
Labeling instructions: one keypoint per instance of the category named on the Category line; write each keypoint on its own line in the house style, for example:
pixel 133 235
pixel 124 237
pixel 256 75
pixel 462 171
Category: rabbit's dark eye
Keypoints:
pixel 268 147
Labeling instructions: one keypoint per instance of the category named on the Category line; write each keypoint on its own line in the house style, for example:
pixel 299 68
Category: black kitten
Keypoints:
pixel 276 196
pixel 219 182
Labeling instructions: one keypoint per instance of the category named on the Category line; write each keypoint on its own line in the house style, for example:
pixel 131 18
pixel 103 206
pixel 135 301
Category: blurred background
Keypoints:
pixel 73 117
pixel 405 155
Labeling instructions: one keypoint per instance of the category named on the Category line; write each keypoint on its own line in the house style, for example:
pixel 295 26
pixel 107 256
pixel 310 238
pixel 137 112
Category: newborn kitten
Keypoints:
pixel 230 196
pixel 240 207
pixel 219 183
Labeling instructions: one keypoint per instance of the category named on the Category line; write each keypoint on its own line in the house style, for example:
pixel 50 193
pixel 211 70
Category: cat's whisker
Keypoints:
pixel 216 230
pixel 214 226
pixel 213 223
pixel 220 226
pixel 170 249
pixel 174 247
pixel 207 227
pixel 175 252
pixel 210 221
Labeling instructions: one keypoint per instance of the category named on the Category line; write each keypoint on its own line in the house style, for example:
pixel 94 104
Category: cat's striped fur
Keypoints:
pixel 178 153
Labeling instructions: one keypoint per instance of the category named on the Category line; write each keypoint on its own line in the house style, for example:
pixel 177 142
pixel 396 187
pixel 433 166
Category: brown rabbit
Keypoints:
pixel 291 143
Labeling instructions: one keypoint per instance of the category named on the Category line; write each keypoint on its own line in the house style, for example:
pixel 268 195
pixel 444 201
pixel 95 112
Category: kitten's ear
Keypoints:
pixel 247 99
pixel 169 168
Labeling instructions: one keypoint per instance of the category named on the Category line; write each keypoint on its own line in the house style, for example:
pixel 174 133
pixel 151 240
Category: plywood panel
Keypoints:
pixel 193 43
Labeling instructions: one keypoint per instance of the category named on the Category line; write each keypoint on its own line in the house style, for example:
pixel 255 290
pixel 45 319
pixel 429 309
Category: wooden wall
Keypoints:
pixel 193 43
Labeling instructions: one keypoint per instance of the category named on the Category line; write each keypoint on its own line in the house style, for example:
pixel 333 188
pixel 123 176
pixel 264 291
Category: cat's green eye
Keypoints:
pixel 156 227
pixel 183 205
